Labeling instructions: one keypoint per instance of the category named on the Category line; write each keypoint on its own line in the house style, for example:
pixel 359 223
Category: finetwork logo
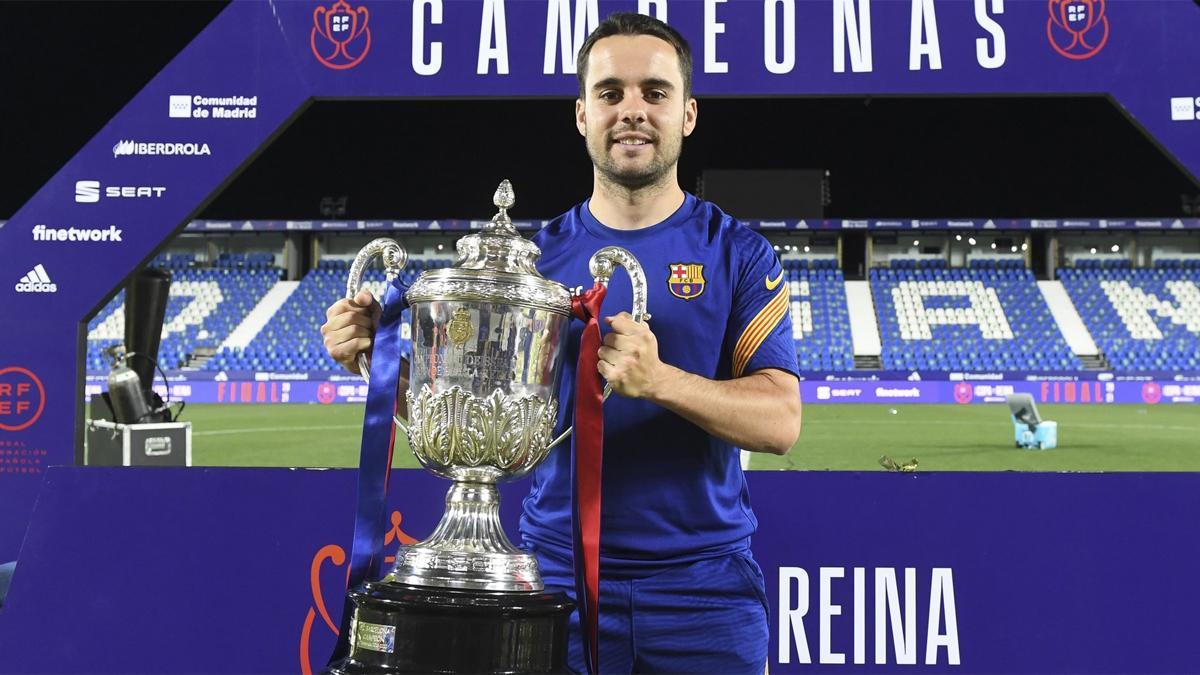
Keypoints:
pixel 88 191
pixel 1185 108
pixel 37 281
pixel 89 234
pixel 130 148
pixel 217 107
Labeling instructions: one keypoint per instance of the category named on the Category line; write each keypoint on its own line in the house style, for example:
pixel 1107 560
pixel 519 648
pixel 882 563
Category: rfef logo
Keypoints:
pixel 336 583
pixel 22 398
pixel 340 38
pixel 1077 29
pixel 963 392
pixel 1151 393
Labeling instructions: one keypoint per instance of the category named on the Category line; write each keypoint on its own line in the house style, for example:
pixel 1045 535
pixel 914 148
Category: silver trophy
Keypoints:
pixel 488 338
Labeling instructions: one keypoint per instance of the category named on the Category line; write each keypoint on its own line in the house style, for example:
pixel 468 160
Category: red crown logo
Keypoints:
pixel 340 37
pixel 337 556
pixel 1077 29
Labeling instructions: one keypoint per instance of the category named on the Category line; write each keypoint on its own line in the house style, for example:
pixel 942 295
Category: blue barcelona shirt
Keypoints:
pixel 719 308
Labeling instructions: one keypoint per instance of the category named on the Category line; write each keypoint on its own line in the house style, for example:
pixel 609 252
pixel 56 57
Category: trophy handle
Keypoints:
pixel 601 266
pixel 394 259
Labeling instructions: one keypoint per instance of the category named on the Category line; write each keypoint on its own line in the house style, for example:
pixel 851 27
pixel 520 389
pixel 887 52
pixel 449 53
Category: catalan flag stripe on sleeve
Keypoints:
pixel 758 330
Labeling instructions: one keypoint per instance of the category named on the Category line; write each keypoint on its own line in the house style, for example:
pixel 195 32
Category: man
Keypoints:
pixel 679 590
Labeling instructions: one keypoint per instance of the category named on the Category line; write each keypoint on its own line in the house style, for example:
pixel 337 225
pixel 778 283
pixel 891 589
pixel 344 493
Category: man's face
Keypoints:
pixel 634 116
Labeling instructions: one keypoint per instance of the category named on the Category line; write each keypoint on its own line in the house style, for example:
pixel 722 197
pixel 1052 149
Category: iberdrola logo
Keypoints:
pixel 340 38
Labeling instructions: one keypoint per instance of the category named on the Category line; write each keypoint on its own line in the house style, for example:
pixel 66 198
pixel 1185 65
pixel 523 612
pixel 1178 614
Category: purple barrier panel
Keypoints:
pixel 242 570
pixel 196 570
pixel 353 390
pixel 1022 573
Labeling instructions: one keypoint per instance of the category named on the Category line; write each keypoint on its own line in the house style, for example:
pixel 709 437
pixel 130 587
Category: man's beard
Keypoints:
pixel 665 156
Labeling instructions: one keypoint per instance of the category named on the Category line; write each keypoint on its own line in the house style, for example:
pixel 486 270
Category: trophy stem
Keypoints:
pixel 468 549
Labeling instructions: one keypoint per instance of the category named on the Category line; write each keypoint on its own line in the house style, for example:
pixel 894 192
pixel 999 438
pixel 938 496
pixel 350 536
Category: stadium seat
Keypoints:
pixel 820 319
pixel 1142 319
pixel 291 340
pixel 989 317
pixel 205 306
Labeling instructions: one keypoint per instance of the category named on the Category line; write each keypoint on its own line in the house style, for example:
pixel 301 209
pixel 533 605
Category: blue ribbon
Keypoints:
pixel 375 456
pixel 581 595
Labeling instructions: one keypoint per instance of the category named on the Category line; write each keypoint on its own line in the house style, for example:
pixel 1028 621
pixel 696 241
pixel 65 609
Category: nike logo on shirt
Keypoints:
pixel 772 284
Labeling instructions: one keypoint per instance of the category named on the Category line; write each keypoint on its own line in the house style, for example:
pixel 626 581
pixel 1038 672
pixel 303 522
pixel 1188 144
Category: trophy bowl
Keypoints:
pixel 488 338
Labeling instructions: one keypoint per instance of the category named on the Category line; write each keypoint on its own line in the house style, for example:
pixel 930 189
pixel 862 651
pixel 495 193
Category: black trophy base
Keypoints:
pixel 399 628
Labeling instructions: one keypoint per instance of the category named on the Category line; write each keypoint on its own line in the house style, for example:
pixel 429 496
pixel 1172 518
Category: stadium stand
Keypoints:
pixel 820 320
pixel 990 316
pixel 205 305
pixel 986 317
pixel 291 341
pixel 1142 319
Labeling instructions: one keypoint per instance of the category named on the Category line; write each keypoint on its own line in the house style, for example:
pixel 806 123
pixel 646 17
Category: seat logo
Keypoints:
pixel 87 191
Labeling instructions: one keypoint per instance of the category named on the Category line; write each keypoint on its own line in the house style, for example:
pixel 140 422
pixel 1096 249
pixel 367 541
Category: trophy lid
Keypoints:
pixel 496 264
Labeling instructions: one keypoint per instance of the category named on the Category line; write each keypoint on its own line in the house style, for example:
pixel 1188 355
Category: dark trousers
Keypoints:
pixel 709 616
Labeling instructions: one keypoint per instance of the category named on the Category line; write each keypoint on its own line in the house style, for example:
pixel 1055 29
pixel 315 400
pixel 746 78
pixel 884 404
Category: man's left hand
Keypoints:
pixel 629 357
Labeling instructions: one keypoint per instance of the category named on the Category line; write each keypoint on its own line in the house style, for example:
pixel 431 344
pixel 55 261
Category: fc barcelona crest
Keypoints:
pixel 686 280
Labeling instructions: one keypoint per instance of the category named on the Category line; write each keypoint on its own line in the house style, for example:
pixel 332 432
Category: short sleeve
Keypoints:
pixel 760 328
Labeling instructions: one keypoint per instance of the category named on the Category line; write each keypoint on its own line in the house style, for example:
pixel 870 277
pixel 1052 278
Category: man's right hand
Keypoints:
pixel 349 328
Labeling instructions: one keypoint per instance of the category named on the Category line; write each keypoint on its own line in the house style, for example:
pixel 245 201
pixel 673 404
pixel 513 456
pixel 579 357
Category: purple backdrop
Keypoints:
pixel 257 64
pixel 238 570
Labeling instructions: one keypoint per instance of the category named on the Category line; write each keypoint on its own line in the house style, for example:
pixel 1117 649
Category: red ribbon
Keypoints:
pixel 588 442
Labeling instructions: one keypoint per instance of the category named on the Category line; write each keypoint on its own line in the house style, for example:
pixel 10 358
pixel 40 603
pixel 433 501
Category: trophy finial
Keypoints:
pixel 504 197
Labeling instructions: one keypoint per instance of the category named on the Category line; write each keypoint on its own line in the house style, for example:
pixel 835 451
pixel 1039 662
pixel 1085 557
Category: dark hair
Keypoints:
pixel 630 23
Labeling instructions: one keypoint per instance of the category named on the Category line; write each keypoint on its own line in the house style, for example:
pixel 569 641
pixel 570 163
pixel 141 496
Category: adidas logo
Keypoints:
pixel 37 281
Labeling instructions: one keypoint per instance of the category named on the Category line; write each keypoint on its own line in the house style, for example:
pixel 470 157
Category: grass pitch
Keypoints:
pixel 834 437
